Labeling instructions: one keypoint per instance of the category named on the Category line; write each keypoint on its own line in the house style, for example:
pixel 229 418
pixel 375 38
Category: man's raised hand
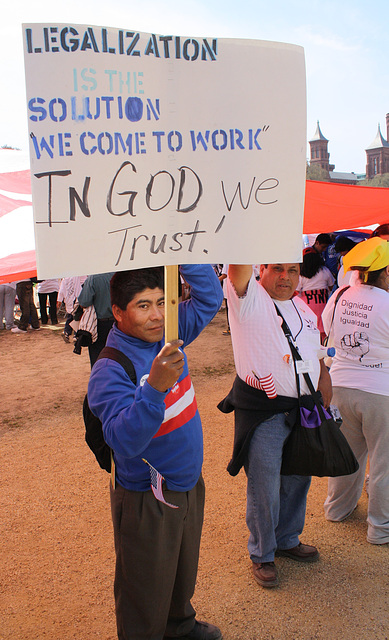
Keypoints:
pixel 167 366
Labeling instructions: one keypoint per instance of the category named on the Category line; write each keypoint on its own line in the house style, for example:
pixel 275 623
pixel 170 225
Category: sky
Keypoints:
pixel 346 52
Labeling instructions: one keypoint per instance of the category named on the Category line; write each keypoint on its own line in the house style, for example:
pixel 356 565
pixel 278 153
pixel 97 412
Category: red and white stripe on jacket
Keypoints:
pixel 181 406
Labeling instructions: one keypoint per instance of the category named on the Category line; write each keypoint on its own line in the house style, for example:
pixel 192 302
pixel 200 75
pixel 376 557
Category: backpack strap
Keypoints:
pixel 126 363
pixel 121 358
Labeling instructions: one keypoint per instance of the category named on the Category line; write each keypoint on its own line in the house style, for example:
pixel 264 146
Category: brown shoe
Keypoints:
pixel 200 631
pixel 265 574
pixel 301 553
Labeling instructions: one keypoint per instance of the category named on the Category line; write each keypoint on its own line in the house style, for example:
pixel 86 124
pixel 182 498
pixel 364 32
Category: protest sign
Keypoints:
pixel 149 149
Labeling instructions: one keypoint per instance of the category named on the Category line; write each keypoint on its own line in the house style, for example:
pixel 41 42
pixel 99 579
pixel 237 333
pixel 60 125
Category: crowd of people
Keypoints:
pixel 154 430
pixel 47 298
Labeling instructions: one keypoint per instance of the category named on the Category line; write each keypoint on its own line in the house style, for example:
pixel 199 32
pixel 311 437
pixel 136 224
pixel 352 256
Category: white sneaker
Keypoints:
pixel 17 330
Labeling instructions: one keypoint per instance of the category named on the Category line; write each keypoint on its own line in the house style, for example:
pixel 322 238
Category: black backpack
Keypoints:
pixel 93 427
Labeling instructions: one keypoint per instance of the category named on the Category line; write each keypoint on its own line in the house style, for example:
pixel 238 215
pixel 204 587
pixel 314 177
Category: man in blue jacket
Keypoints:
pixel 156 541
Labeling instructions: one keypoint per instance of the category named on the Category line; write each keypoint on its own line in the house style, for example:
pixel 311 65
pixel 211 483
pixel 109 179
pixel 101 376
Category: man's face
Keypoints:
pixel 320 246
pixel 144 317
pixel 280 280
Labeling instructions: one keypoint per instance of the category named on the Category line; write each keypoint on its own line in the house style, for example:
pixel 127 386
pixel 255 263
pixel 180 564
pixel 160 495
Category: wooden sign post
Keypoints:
pixel 171 303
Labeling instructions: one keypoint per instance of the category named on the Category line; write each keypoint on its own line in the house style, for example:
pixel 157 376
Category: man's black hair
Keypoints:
pixel 126 284
pixel 324 238
pixel 344 243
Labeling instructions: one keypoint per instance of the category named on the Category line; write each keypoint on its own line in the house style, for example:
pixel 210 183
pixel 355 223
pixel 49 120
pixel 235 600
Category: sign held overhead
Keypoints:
pixel 155 149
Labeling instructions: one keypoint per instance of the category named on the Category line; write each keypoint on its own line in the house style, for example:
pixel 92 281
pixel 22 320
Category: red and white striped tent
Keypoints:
pixel 17 243
pixel 328 207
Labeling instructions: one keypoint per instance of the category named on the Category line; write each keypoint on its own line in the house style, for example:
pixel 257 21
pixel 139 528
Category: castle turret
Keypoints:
pixel 319 150
pixel 377 154
pixel 387 127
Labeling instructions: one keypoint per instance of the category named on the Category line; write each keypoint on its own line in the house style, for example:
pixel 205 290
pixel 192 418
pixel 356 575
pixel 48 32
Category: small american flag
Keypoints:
pixel 265 384
pixel 156 485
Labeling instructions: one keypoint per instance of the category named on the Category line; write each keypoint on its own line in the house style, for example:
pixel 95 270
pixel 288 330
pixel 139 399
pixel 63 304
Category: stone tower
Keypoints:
pixel 319 151
pixel 377 153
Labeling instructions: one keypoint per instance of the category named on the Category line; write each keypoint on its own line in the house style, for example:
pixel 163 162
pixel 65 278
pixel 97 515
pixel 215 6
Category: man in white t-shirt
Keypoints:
pixel 276 503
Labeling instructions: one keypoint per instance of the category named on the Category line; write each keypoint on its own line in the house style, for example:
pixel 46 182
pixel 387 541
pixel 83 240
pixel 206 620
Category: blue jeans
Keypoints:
pixel 67 328
pixel 276 504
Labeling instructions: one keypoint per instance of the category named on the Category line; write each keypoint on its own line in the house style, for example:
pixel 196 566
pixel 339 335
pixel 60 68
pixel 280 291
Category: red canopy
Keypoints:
pixel 332 207
pixel 18 266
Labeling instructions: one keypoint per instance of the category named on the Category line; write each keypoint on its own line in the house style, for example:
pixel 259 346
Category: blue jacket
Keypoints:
pixel 141 422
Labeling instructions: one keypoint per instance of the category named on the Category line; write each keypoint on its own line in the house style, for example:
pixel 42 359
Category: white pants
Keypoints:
pixel 366 427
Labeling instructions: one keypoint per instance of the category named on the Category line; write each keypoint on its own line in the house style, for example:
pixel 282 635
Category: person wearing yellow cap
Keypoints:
pixel 369 257
pixel 358 324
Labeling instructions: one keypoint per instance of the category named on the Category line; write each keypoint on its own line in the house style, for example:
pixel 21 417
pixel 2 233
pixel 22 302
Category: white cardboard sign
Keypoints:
pixel 149 150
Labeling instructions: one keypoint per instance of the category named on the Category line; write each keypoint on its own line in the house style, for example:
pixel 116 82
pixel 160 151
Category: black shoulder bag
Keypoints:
pixel 316 446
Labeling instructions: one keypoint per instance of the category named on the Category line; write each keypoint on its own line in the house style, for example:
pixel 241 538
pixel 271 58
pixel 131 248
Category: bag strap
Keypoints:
pixel 296 356
pixel 294 349
pixel 338 296
pixel 121 358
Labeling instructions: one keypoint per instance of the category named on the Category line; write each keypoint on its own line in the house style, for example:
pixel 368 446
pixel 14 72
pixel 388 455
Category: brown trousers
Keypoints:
pixel 157 552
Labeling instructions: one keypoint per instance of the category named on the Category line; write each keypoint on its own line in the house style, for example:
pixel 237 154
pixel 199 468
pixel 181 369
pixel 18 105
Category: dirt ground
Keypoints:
pixel 56 542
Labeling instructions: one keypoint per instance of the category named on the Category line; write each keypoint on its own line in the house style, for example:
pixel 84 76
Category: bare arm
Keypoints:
pixel 325 384
pixel 240 275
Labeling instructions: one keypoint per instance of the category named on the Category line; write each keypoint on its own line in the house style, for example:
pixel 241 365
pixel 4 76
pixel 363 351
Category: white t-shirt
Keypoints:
pixel 48 286
pixel 260 345
pixel 323 279
pixel 360 334
pixel 70 290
